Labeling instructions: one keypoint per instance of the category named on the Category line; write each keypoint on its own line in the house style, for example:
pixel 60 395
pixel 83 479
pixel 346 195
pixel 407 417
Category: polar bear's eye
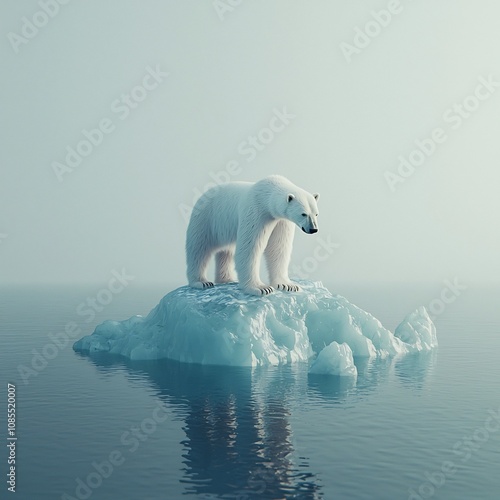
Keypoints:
pixel 304 215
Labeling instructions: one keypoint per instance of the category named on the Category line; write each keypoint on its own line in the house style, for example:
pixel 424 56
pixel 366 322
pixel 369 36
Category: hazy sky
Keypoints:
pixel 347 114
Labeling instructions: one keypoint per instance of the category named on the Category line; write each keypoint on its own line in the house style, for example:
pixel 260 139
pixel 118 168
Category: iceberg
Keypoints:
pixel 224 326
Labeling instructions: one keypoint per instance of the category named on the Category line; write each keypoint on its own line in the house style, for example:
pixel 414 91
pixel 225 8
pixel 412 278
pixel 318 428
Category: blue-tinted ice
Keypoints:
pixel 223 326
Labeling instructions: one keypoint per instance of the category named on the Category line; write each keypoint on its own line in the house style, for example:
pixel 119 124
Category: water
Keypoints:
pixel 181 431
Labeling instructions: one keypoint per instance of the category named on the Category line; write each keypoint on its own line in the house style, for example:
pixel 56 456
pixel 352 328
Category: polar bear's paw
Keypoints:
pixel 259 290
pixel 287 286
pixel 202 284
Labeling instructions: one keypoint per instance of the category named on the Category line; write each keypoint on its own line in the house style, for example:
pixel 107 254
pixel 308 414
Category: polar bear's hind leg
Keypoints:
pixel 224 266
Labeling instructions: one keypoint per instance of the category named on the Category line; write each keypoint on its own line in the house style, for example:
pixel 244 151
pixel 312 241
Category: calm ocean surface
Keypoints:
pixel 423 426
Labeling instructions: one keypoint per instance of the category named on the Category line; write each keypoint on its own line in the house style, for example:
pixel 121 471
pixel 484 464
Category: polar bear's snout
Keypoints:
pixel 311 227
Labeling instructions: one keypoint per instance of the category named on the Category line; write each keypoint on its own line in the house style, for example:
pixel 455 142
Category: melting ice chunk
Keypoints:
pixel 224 326
pixel 335 359
pixel 417 331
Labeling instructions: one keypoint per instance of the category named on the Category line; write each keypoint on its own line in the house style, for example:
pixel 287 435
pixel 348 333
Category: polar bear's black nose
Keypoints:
pixel 313 230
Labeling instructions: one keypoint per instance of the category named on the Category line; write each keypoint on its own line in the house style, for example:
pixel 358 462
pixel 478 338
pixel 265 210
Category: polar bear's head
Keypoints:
pixel 302 209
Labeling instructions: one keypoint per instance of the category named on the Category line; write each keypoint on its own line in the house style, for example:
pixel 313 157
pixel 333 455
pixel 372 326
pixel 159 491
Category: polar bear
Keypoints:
pixel 241 221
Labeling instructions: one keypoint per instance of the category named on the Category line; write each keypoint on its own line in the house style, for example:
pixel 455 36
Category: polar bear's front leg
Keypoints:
pixel 278 253
pixel 252 239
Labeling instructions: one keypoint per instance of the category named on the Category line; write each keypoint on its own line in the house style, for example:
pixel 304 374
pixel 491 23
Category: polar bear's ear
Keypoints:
pixel 291 197
pixel 316 196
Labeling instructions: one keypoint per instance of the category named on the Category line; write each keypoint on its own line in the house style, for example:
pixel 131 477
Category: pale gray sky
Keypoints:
pixel 122 206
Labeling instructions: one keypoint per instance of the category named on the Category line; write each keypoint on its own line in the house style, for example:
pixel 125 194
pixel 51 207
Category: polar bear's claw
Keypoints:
pixel 201 284
pixel 259 290
pixel 288 287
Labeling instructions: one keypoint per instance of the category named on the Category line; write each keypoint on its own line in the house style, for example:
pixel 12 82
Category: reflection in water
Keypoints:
pixel 414 370
pixel 237 420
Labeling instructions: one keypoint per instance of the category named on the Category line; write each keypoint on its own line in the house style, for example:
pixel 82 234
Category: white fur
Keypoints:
pixel 241 221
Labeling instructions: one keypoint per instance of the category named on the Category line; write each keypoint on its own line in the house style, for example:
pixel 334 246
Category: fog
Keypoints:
pixel 185 94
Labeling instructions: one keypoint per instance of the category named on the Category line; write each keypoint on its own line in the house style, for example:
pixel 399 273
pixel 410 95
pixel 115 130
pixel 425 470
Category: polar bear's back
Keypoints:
pixel 223 198
pixel 216 213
